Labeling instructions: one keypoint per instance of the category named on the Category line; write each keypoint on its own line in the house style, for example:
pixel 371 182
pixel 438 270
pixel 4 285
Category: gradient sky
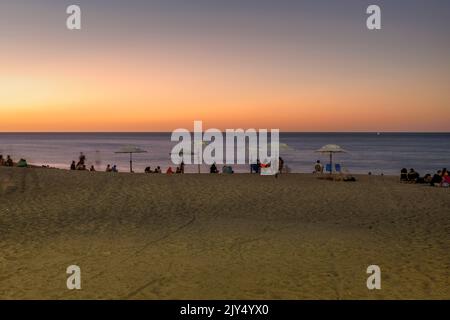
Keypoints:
pixel 160 65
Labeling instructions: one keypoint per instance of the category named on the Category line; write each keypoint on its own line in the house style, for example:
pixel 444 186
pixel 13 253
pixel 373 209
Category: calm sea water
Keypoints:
pixel 386 153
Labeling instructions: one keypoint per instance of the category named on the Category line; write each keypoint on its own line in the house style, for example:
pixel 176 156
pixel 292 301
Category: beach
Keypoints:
pixel 138 236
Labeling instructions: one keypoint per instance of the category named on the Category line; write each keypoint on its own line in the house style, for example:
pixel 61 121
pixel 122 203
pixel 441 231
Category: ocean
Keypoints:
pixel 384 153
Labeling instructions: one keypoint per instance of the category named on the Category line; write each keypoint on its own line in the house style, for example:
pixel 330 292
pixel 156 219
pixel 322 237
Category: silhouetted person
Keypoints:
pixel 404 174
pixel 318 168
pixel 73 166
pixel 9 162
pixel 213 169
pixel 82 158
pixel 169 171
pixel 280 164
pixel 412 175
pixel 182 167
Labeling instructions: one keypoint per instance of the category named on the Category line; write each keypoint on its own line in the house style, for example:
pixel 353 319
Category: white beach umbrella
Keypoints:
pixel 331 148
pixel 131 150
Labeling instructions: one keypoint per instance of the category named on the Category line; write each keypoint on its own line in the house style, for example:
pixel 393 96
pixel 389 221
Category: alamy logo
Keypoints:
pixel 74 280
pixel 374 280
pixel 73 22
pixel 241 146
pixel 374 20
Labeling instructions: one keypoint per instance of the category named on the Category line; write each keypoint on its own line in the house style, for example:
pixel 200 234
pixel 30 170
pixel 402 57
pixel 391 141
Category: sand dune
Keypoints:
pixel 220 237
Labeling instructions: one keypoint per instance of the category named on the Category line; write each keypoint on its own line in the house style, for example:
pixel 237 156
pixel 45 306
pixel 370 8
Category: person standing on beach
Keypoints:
pixel 280 165
pixel 82 159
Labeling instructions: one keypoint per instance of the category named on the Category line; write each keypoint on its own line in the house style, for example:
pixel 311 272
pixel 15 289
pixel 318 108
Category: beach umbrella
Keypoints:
pixel 331 149
pixel 131 150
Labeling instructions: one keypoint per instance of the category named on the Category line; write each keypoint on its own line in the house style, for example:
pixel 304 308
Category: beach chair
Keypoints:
pixel 328 168
pixel 338 168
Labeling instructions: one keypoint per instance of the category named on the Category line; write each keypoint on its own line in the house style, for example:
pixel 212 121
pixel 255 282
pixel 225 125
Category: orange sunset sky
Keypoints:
pixel 160 65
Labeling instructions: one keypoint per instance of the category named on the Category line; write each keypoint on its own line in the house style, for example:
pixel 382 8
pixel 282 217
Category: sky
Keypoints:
pixel 147 66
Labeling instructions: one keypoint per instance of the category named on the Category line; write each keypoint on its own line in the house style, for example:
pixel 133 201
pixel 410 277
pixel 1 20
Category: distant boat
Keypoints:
pixel 378 133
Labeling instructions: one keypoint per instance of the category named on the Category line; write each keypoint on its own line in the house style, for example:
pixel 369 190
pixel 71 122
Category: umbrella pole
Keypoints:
pixel 131 162
pixel 331 162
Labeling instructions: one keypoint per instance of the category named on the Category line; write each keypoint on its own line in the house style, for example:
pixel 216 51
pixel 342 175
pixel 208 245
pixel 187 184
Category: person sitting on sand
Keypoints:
pixel 404 175
pixel 412 175
pixel 318 168
pixel 108 168
pixel 169 171
pixel 213 168
pixel 445 178
pixel 148 170
pixel 9 162
pixel 114 169
pixel 73 166
pixel 425 179
pixel 437 179
pixel 158 170
pixel 92 169
pixel 2 161
pixel 255 167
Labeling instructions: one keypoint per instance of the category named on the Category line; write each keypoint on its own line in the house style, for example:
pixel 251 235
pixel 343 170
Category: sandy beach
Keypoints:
pixel 138 236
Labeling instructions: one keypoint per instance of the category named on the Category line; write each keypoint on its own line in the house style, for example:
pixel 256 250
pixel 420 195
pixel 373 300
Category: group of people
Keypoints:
pixel 179 169
pixel 8 162
pixel 149 170
pixel 256 167
pixel 226 169
pixel 81 165
pixel 440 179
pixel 110 168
